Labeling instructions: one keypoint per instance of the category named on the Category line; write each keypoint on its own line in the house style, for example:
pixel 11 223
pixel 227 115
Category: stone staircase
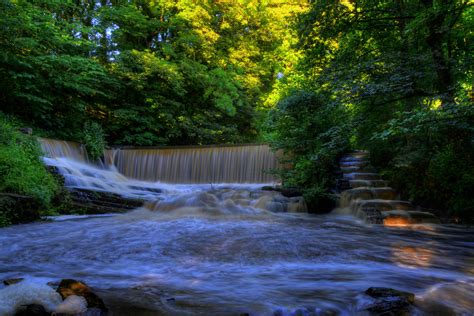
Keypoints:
pixel 365 195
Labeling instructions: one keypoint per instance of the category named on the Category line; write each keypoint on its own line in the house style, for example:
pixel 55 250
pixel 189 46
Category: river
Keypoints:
pixel 191 260
pixel 229 249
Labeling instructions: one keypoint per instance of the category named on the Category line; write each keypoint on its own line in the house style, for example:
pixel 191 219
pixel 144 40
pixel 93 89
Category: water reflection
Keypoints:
pixel 412 257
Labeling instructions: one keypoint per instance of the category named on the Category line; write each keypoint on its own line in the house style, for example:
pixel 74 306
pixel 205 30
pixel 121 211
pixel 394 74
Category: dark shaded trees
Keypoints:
pixel 403 72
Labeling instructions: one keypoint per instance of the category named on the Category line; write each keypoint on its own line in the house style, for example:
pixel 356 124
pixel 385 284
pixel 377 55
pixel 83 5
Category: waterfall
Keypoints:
pixel 221 164
pixel 197 180
pixel 187 164
pixel 54 148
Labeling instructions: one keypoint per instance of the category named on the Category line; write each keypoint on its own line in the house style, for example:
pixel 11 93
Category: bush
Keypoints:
pixel 94 140
pixel 312 134
pixel 428 155
pixel 21 170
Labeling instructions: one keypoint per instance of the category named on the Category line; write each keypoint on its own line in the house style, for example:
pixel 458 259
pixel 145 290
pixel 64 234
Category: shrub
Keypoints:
pixel 312 134
pixel 428 155
pixel 21 169
pixel 94 140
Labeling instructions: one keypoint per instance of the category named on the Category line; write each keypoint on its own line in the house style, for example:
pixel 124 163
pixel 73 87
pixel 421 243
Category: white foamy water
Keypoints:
pixel 80 175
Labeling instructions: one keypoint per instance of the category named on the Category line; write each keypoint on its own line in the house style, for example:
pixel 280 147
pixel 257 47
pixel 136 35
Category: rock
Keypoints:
pixel 94 312
pixel 12 281
pixel 16 297
pixel 389 301
pixel 69 287
pixel 26 130
pixel 95 202
pixel 73 304
pixel 395 305
pixel 263 202
pixel 33 310
pixel 378 292
pixel 297 205
pixel 286 192
pixel 275 207
pixel 53 284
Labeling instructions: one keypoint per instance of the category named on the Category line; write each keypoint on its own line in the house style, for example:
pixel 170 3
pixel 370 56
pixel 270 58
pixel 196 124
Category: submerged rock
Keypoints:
pixel 286 192
pixel 398 306
pixel 12 281
pixel 377 292
pixel 69 287
pixel 278 203
pixel 389 301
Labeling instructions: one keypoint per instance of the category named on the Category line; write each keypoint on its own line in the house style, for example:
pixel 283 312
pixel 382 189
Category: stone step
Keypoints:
pixel 362 176
pixel 356 154
pixel 365 193
pixel 358 163
pixel 369 215
pixel 354 160
pixel 369 197
pixel 368 183
pixel 363 169
pixel 382 205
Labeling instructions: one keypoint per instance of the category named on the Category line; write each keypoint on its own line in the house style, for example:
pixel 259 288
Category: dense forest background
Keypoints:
pixel 148 72
pixel 312 78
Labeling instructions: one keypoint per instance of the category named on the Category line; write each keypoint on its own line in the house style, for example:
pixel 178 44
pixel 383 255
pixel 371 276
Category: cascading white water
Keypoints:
pixel 176 165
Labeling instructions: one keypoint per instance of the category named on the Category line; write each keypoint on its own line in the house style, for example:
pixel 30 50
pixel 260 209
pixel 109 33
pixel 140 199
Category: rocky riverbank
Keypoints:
pixel 68 297
pixel 71 297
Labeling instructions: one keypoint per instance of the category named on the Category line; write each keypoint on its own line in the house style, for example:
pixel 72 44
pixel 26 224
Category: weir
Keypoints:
pixel 54 148
pixel 247 163
pixel 191 180
pixel 219 164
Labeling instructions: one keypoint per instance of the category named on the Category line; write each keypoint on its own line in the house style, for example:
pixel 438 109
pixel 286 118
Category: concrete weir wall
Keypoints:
pixel 244 163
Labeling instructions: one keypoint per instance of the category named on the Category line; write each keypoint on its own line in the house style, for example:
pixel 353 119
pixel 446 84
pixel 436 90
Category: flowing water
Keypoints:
pixel 228 164
pixel 193 261
pixel 215 250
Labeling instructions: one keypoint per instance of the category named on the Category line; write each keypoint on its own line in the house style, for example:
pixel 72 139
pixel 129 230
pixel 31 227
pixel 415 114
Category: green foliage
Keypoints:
pixel 94 140
pixel 428 154
pixel 21 170
pixel 312 134
pixel 149 72
pixel 402 70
